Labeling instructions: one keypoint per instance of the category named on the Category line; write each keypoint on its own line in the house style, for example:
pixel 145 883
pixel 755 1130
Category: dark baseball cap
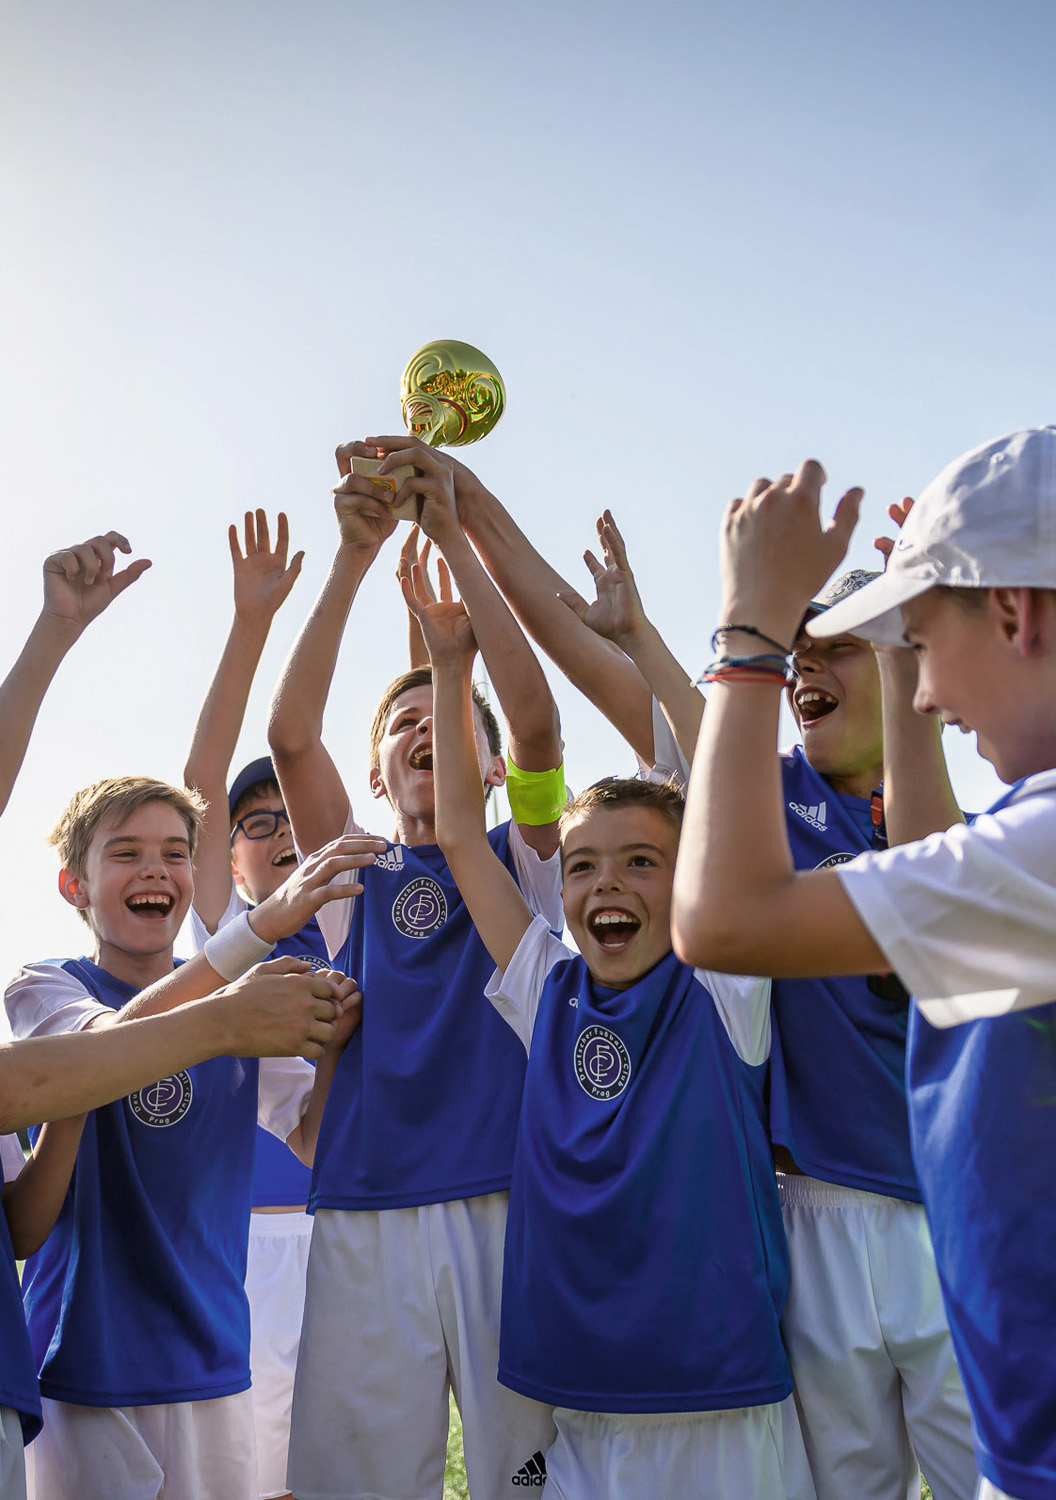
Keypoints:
pixel 838 589
pixel 259 770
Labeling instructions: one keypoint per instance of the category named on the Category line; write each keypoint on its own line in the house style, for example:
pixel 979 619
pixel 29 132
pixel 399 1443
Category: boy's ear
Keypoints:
pixel 495 775
pixel 377 786
pixel 71 890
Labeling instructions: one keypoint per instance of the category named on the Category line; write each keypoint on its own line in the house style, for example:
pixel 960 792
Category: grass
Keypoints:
pixel 455 1487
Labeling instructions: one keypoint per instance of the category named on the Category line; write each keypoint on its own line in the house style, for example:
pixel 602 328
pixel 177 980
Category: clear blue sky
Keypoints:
pixel 701 242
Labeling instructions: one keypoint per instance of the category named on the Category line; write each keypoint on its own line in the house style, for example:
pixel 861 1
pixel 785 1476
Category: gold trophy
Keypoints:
pixel 451 394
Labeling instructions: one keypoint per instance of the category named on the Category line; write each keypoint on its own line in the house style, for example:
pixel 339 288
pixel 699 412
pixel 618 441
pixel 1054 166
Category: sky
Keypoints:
pixel 700 241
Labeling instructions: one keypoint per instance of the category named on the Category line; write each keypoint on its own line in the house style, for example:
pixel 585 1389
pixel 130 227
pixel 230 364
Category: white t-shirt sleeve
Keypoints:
pixel 200 934
pixel 967 918
pixel 539 879
pixel 515 993
pixel 743 1003
pixel 335 917
pixel 285 1084
pixel 12 1157
pixel 669 764
pixel 45 1000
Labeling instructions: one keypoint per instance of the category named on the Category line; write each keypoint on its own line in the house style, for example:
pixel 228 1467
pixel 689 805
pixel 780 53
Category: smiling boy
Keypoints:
pixel 966 917
pixel 135 1304
pixel 645 1266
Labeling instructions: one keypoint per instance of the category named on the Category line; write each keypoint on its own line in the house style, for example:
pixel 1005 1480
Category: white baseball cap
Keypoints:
pixel 987 521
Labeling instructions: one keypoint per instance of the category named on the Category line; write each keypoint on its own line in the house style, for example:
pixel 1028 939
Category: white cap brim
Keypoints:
pixel 874 612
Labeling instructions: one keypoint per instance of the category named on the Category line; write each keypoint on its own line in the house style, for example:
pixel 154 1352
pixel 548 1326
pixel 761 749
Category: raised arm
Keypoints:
pixel 619 616
pixel 739 906
pixel 79 583
pixel 918 797
pixel 312 789
pixel 499 911
pixel 262 581
pixel 519 681
pixel 541 600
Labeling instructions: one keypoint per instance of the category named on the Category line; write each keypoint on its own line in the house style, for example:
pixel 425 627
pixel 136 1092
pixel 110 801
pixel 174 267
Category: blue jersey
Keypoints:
pixel 280 1179
pixel 136 1298
pixel 424 1102
pixel 983 1108
pixel 18 1372
pixel 645 1263
pixel 838 1094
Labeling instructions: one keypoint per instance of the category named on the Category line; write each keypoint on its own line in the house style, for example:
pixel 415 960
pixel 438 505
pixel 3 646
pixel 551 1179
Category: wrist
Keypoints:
pixel 57 632
pixel 237 947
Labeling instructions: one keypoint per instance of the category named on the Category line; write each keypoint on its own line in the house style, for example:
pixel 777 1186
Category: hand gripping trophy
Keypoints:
pixel 451 394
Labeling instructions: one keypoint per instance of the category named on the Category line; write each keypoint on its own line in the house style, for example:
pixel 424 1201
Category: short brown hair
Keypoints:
pixel 118 798
pixel 663 797
pixel 423 677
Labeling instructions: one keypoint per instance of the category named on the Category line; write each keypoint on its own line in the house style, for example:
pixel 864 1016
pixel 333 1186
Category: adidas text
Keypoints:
pixel 533 1473
pixel 815 816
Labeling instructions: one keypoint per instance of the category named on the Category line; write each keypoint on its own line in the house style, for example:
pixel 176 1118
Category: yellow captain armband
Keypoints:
pixel 536 797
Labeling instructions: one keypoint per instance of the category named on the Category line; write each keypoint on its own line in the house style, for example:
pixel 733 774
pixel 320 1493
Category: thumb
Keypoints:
pixel 121 581
pixel 576 603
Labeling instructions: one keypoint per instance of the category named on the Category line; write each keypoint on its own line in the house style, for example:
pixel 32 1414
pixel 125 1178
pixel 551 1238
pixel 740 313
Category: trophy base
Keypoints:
pixel 367 468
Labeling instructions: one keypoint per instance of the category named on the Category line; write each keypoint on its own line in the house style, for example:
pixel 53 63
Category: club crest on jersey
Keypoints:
pixel 391 859
pixel 602 1062
pixel 815 816
pixel 420 908
pixel 833 860
pixel 163 1103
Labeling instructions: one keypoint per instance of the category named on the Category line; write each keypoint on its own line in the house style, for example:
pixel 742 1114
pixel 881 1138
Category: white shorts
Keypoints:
pixel 275 1275
pixel 402 1306
pixel 754 1452
pixel 12 1460
pixel 195 1450
pixel 988 1491
pixel 877 1385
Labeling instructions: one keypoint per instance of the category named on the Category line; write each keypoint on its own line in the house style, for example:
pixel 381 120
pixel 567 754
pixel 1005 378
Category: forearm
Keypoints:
pixel 54 1077
pixel 303 1141
pixel 519 681
pixel 300 698
pixel 918 797
pixel 224 710
pixel 22 692
pixel 33 1202
pixel 598 668
pixel 669 683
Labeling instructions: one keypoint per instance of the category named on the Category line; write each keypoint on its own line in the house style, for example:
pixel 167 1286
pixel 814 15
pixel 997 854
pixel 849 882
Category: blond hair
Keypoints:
pixel 117 799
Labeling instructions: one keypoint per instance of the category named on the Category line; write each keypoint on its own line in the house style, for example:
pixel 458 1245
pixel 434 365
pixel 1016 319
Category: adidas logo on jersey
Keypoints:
pixel 391 860
pixel 815 816
pixel 533 1473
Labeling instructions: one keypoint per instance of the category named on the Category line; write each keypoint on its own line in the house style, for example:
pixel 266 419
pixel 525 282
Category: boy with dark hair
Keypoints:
pixel 838 1118
pixel 965 916
pixel 409 1189
pixel 645 1266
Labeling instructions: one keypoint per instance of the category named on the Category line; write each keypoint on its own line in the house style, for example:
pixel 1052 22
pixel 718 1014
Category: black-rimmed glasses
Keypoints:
pixel 260 825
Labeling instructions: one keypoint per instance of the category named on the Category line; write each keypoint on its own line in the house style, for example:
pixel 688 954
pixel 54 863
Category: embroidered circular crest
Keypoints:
pixel 420 908
pixel 602 1062
pixel 834 859
pixel 165 1102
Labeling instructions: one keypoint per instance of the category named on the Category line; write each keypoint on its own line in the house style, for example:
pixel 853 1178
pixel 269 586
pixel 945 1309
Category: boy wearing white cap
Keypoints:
pixel 966 917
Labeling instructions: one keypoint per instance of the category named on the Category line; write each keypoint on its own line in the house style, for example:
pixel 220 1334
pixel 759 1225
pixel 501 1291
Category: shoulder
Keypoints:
pixel 743 1005
pixel 49 997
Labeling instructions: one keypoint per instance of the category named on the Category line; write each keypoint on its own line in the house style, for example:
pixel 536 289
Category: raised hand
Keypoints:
pixel 283 1008
pixel 898 512
pixel 364 510
pixel 313 884
pixel 410 554
pixel 776 552
pixel 263 579
pixel 433 486
pixel 79 582
pixel 445 624
pixel 617 612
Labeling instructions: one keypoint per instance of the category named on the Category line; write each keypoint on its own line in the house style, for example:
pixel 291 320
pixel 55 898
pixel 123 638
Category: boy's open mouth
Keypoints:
pixel 813 704
pixel 612 928
pixel 422 759
pixel 287 857
pixel 151 905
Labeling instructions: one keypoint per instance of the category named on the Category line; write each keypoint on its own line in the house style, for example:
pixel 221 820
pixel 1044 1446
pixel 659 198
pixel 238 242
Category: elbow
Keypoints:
pixel 703 939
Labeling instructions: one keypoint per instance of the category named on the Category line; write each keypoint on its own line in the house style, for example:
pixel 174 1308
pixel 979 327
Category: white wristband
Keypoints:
pixel 236 948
